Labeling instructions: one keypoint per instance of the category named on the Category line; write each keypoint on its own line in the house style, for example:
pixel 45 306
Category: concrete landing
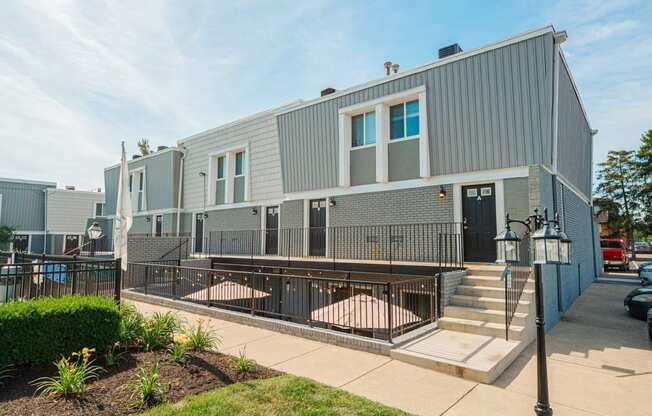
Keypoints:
pixel 471 356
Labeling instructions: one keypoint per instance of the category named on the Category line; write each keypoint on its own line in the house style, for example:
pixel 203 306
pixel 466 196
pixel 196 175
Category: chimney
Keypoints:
pixel 69 188
pixel 327 91
pixel 450 50
pixel 158 149
pixel 388 66
pixel 134 157
pixel 99 189
pixel 395 68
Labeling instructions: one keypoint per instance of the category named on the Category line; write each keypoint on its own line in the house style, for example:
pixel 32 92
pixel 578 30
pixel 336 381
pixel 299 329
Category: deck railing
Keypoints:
pixel 376 308
pixel 440 244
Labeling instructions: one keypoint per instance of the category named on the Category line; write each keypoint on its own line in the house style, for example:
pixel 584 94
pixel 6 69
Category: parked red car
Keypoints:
pixel 614 253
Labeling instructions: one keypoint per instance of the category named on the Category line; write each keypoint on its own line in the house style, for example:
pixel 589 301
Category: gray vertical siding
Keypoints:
pixel 161 181
pixel 403 160
pixel 488 111
pixel 239 189
pixel 363 166
pixel 23 205
pixel 575 143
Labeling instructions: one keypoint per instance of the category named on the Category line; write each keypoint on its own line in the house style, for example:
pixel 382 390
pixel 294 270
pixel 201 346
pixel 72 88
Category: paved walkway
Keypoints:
pixel 600 363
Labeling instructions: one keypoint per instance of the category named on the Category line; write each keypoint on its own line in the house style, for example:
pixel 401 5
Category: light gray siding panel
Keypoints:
pixel 575 143
pixel 68 211
pixel 292 214
pixel 23 205
pixel 111 190
pixel 488 111
pixel 220 195
pixel 233 219
pixel 363 166
pixel 516 197
pixel 403 160
pixel 239 189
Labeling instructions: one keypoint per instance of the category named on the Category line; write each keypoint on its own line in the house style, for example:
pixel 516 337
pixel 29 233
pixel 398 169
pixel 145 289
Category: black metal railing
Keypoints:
pixel 28 280
pixel 376 308
pixel 438 243
pixel 515 278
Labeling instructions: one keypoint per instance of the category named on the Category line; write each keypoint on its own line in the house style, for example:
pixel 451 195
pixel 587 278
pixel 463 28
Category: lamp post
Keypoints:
pixel 94 233
pixel 551 246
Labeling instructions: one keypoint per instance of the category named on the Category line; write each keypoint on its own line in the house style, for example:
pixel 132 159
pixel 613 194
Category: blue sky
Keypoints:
pixel 76 78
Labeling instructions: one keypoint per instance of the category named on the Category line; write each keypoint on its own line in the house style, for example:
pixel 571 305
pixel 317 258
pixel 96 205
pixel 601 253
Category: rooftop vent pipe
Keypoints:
pixel 450 50
pixel 134 157
pixel 69 188
pixel 327 91
pixel 158 149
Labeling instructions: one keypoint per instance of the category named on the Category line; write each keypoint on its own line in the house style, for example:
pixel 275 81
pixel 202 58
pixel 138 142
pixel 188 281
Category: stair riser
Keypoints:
pixel 479 272
pixel 480 330
pixel 463 313
pixel 470 281
pixel 477 303
pixel 487 292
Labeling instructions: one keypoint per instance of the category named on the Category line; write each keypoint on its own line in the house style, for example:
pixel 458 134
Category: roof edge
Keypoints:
pixel 28 181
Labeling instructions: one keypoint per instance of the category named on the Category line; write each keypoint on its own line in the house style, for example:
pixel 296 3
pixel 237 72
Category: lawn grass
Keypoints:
pixel 279 396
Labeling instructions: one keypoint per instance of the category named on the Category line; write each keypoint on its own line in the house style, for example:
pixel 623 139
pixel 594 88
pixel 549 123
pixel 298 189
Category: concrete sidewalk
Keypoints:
pixel 600 363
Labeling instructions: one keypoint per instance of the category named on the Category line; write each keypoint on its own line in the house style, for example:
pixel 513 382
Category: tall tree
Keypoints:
pixel 644 166
pixel 619 181
pixel 143 147
pixel 6 232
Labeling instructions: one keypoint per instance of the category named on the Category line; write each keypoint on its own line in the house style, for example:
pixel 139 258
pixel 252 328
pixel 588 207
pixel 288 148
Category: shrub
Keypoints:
pixel 201 339
pixel 146 390
pixel 5 374
pixel 179 353
pixel 45 329
pixel 72 375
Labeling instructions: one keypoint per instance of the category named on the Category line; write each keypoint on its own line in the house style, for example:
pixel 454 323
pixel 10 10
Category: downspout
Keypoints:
pixel 45 222
pixel 183 155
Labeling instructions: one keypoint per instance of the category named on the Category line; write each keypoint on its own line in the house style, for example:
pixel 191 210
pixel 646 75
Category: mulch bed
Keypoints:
pixel 108 396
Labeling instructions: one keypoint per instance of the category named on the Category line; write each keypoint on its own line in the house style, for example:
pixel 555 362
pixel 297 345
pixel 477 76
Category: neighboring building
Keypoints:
pixel 461 141
pixel 46 219
pixel 68 214
pixel 154 188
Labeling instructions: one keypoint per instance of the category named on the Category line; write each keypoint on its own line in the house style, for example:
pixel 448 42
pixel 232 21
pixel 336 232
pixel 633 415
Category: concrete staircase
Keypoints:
pixel 470 339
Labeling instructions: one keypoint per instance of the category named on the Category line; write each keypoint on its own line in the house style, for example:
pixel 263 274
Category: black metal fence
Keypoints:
pixel 515 279
pixel 27 280
pixel 376 308
pixel 438 243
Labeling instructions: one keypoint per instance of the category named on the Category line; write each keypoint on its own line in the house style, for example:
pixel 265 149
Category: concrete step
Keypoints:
pixel 487 303
pixel 493 272
pixel 491 329
pixel 490 281
pixel 490 292
pixel 474 357
pixel 488 315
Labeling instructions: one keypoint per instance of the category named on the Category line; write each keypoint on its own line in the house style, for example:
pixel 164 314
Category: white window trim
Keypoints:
pixel 229 167
pixel 414 136
pixel 499 197
pixel 381 107
pixel 364 130
pixel 136 184
pixel 94 211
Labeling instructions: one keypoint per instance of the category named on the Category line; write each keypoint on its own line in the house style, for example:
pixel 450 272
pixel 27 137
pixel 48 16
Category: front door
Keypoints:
pixel 317 232
pixel 271 231
pixel 479 211
pixel 158 225
pixel 199 232
pixel 71 246
pixel 21 242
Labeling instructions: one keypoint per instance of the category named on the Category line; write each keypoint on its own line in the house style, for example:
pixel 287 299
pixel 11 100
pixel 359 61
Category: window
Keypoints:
pixel 220 167
pixel 99 209
pixel 363 129
pixel 131 180
pixel 404 120
pixel 239 164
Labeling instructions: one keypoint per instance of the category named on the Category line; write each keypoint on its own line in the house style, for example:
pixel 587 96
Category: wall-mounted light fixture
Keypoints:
pixel 331 203
pixel 148 219
pixel 442 192
pixel 254 211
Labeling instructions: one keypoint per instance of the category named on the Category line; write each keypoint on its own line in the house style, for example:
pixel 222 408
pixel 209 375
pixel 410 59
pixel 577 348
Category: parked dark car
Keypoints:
pixel 639 301
pixel 614 253
pixel 645 273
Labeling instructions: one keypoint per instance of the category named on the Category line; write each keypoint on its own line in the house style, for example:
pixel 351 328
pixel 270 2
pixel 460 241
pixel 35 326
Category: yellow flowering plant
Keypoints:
pixel 72 375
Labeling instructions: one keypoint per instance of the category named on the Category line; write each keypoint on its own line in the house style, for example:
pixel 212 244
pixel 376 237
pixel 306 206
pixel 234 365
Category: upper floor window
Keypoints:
pixel 404 120
pixel 99 209
pixel 239 164
pixel 220 168
pixel 131 183
pixel 363 129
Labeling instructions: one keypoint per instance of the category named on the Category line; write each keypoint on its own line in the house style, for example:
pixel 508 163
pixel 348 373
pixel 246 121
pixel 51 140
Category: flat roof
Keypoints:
pixel 154 154
pixel 28 181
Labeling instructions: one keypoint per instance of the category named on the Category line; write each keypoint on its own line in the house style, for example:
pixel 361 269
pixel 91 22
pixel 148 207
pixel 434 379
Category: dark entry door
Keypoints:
pixel 271 231
pixel 21 242
pixel 317 231
pixel 158 225
pixel 479 211
pixel 71 245
pixel 199 233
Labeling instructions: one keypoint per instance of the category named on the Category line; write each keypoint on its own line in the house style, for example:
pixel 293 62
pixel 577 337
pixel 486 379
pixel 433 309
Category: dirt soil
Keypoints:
pixel 109 394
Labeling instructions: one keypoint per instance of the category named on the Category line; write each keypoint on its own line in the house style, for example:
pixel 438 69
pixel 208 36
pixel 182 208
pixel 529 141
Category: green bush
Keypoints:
pixel 44 330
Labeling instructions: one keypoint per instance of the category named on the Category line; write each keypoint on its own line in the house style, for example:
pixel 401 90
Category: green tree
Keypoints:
pixel 615 223
pixel 619 181
pixel 644 166
pixel 143 147
pixel 6 233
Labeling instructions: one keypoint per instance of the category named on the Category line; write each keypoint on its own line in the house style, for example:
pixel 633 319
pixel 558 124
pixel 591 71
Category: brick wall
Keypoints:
pixel 153 248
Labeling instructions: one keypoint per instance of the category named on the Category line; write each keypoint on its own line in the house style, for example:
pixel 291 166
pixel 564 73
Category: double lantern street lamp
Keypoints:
pixel 551 246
